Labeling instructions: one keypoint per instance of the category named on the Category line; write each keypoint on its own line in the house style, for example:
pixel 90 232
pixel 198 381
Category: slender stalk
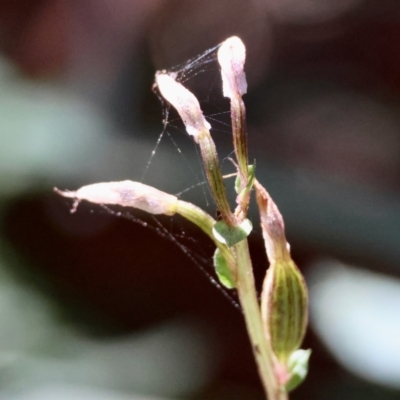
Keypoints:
pixel 214 175
pixel 238 120
pixel 251 309
pixel 231 58
pixel 239 131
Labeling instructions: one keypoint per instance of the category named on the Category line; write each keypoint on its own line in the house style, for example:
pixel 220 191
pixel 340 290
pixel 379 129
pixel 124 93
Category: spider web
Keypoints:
pixel 201 75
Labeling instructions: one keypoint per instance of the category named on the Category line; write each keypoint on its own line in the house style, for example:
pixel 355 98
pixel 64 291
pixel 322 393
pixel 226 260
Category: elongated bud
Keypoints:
pixel 231 58
pixel 149 199
pixel 272 225
pixel 284 294
pixel 126 194
pixel 196 125
pixel 185 102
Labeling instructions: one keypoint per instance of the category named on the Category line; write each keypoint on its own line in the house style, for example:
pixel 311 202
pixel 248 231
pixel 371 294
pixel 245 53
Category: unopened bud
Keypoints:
pixel 272 225
pixel 188 107
pixel 185 103
pixel 126 194
pixel 284 295
pixel 231 58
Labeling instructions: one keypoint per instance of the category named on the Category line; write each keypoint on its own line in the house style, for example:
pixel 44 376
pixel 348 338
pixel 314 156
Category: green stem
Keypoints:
pixel 238 259
pixel 239 131
pixel 214 175
pixel 251 309
pixel 238 120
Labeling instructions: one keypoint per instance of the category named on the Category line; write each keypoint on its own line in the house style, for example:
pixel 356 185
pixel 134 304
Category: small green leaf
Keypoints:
pixel 298 368
pixel 224 273
pixel 231 235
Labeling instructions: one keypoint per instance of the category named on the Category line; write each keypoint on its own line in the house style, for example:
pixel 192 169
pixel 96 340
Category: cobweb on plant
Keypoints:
pixel 199 74
pixel 184 242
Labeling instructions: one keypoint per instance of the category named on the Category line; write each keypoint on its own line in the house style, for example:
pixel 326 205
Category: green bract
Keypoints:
pixel 231 235
pixel 224 273
pixel 298 368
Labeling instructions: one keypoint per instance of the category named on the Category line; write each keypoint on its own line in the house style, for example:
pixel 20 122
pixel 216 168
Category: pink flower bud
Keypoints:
pixel 126 194
pixel 231 58
pixel 184 102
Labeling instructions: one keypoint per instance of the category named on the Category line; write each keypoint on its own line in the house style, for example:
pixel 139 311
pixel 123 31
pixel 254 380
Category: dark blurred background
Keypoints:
pixel 94 306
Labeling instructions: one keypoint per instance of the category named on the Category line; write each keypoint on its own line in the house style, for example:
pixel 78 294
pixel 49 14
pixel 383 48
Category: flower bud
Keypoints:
pixel 188 108
pixel 126 194
pixel 185 102
pixel 231 58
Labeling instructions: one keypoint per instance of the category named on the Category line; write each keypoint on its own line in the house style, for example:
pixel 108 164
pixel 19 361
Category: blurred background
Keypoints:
pixel 94 306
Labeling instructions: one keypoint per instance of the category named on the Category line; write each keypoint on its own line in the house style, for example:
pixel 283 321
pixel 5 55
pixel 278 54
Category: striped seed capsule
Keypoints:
pixel 284 308
pixel 284 295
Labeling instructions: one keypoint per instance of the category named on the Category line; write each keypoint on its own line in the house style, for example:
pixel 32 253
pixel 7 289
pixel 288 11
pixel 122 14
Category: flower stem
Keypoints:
pixel 214 175
pixel 251 309
pixel 238 120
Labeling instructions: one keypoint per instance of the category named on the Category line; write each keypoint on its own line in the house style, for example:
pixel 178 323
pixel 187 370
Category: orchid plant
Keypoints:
pixel 276 325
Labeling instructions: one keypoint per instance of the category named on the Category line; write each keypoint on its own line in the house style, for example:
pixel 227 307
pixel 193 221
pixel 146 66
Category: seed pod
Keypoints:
pixel 284 308
pixel 284 294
